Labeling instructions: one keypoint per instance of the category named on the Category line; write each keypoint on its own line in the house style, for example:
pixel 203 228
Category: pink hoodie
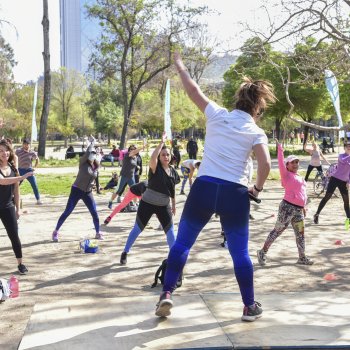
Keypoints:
pixel 294 184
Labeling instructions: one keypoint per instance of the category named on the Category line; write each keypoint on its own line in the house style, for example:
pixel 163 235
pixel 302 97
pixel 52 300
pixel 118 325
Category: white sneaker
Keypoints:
pixel 39 202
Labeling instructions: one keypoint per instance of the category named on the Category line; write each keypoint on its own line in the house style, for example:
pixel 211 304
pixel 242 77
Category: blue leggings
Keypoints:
pixel 75 195
pixel 32 181
pixel 230 201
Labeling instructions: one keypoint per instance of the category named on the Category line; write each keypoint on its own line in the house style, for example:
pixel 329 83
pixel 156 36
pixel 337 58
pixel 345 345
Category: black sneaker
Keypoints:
pixel 123 258
pixel 108 220
pixel 22 269
pixel 251 313
pixel 182 192
pixel 164 305
pixel 251 217
pixel 316 219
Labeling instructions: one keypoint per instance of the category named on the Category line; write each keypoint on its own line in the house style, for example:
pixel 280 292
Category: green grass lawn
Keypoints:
pixel 56 185
pixel 60 184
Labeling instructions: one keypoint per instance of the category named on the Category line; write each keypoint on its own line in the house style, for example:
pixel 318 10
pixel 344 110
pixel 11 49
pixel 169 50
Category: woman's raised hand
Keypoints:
pixel 164 137
pixel 178 62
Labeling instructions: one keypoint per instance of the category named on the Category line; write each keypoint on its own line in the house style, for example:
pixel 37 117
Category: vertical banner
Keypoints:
pixel 167 119
pixel 332 87
pixel 34 127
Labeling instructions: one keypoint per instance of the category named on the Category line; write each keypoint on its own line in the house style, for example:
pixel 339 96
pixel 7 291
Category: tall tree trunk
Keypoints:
pixel 125 110
pixel 278 128
pixel 306 134
pixel 47 81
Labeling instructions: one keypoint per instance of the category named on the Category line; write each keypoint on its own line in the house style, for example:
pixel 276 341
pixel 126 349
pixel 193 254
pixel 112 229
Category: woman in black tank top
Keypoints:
pixel 9 199
pixel 159 198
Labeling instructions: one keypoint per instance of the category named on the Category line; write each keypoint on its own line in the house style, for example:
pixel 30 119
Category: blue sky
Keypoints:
pixel 27 38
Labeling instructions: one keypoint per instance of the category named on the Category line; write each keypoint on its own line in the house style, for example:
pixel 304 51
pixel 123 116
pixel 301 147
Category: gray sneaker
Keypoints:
pixel 164 305
pixel 305 261
pixel 261 257
pixel 251 313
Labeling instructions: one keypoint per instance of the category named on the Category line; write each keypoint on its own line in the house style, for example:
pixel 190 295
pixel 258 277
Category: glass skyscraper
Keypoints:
pixel 70 28
pixel 77 34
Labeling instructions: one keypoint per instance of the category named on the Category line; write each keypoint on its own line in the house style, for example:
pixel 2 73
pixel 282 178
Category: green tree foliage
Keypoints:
pixel 104 107
pixel 254 62
pixel 307 88
pixel 18 109
pixel 69 92
pixel 7 62
pixel 137 42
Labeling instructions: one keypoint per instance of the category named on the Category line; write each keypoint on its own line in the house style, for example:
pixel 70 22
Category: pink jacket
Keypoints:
pixel 294 184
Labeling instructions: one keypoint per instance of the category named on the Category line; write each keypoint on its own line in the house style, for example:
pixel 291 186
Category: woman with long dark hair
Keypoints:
pixel 9 199
pixel 159 198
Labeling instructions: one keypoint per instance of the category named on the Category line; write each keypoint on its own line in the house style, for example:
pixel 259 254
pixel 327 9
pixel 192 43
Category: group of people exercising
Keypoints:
pixel 223 174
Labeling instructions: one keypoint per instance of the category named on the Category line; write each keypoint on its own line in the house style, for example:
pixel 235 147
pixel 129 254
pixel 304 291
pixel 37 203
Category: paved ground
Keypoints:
pixel 300 320
pixel 61 272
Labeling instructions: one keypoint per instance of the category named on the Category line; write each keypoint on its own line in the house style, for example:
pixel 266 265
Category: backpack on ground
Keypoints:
pixel 4 290
pixel 129 209
pixel 160 275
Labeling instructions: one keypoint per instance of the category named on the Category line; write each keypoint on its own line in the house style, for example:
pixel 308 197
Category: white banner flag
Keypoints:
pixel 167 119
pixel 332 87
pixel 34 127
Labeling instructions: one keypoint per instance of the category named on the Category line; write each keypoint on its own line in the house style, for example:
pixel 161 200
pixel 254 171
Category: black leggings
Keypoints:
pixel 146 210
pixel 310 168
pixel 332 185
pixel 9 220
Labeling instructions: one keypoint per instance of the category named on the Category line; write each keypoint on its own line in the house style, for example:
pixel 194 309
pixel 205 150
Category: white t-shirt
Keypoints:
pixel 230 137
pixel 187 163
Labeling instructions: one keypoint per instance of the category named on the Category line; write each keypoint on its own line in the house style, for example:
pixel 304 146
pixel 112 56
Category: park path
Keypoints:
pixel 60 272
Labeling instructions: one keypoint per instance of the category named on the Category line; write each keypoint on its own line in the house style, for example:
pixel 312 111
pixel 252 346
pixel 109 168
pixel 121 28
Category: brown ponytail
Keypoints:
pixel 253 97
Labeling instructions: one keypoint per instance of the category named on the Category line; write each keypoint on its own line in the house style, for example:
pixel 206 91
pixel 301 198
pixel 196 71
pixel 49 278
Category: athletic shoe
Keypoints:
pixel 55 236
pixel 261 257
pixel 251 217
pixel 305 261
pixel 22 269
pixel 123 258
pixel 347 224
pixel 182 192
pixel 110 203
pixel 316 219
pixel 99 236
pixel 251 313
pixel 119 200
pixel 108 220
pixel 164 305
pixel 39 202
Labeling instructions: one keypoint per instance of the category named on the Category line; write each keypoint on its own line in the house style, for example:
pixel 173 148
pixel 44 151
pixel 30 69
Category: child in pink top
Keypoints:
pixel 291 209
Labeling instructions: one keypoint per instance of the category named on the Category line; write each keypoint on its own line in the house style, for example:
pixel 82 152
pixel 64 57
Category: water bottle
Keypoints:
pixel 14 287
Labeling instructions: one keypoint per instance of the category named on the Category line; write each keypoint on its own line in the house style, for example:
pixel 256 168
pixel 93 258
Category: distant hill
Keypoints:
pixel 215 71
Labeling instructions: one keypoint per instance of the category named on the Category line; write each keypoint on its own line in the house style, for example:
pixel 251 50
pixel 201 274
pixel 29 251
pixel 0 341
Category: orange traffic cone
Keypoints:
pixel 331 277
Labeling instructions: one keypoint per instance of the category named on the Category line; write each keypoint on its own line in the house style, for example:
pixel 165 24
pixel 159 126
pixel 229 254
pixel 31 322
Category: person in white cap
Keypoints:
pixel 291 209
